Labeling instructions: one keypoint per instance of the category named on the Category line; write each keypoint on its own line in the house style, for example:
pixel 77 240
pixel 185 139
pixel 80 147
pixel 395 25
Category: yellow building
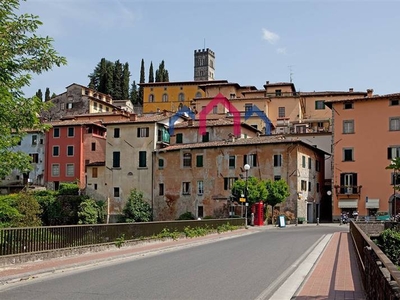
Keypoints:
pixel 171 96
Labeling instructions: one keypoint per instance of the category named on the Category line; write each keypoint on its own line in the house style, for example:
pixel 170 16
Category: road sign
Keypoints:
pixel 242 199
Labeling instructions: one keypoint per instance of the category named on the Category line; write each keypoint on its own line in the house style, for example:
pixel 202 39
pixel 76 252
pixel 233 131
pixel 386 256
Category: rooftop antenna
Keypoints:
pixel 290 73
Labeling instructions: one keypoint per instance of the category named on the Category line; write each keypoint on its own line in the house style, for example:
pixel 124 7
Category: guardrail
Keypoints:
pixel 380 277
pixel 36 239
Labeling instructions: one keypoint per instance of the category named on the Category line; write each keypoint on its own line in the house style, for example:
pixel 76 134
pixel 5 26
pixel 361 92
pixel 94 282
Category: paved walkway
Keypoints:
pixel 336 274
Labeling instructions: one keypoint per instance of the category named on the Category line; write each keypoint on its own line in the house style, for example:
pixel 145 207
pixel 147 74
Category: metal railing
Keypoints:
pixel 35 239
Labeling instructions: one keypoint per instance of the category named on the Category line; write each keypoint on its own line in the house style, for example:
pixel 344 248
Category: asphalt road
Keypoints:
pixel 251 266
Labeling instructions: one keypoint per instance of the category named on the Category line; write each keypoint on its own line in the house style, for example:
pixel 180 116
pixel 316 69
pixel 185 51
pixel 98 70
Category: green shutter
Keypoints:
pixel 199 161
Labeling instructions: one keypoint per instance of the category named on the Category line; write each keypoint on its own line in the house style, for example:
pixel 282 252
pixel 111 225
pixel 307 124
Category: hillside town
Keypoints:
pixel 188 143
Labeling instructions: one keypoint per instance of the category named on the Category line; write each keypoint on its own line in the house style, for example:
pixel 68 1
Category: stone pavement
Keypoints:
pixel 334 276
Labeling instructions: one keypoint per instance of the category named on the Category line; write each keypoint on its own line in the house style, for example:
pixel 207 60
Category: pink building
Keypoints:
pixel 366 137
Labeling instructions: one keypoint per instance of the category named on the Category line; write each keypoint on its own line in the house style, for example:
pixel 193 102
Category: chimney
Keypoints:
pixel 267 82
pixel 231 137
pixel 164 113
pixel 369 93
pixel 133 117
pixel 190 122
pixel 351 90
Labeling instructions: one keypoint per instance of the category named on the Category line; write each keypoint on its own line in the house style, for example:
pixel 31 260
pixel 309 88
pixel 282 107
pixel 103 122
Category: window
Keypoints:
pixel 71 131
pixel 198 95
pixel 215 109
pixel 161 189
pixel 394 102
pixel 56 132
pixel 116 159
pixel 70 150
pixel 151 98
pixel 248 107
pixel 309 163
pixel 393 152
pixel 56 150
pixel 278 93
pixel 348 126
pixel 277 177
pixel 160 163
pixel 101 107
pixel 142 159
pixel 319 104
pixel 205 137
pixel 70 105
pixel 95 186
pixel 116 192
pixel 199 161
pixel 116 132
pixel 228 183
pixel 232 162
pixel 317 187
pixel 34 157
pixel 200 187
pixel 394 124
pixel 277 160
pixel 55 170
pixel 165 98
pixel 70 170
pixel 348 105
pixel 181 97
pixel 179 138
pixel 187 160
pixel 232 96
pixel 348 154
pixel 94 172
pixel 309 186
pixel 348 183
pixel 185 188
pixel 143 132
pixel 62 106
pixel 250 159
pixel 303 161
pixel 304 185
pixel 93 146
pixel 200 211
pixel 34 140
pixel 95 105
pixel 281 112
pixel 317 166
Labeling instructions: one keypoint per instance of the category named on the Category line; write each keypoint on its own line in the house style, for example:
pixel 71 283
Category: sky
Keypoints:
pixel 319 45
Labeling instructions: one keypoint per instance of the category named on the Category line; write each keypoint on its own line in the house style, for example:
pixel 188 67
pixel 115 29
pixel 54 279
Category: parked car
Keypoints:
pixel 382 216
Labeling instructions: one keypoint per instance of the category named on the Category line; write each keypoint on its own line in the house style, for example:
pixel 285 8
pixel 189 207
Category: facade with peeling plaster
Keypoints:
pixel 198 177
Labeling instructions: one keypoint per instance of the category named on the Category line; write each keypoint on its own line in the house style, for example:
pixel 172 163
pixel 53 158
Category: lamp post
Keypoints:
pixel 246 168
pixel 394 186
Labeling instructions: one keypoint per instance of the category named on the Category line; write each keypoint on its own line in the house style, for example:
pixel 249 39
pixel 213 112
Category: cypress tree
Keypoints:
pixel 47 95
pixel 151 73
pixel 125 82
pixel 117 81
pixel 161 73
pixel 142 80
pixel 134 93
pixel 39 94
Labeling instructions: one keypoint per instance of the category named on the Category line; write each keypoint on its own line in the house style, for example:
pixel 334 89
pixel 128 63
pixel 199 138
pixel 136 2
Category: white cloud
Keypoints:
pixel 281 50
pixel 270 36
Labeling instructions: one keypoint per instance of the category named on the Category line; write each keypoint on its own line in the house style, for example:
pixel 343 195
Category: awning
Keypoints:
pixel 372 203
pixel 348 203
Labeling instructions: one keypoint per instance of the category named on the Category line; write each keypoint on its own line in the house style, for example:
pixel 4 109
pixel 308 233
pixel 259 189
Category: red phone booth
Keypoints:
pixel 258 210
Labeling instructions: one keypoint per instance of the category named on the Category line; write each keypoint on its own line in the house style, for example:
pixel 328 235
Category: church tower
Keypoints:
pixel 204 62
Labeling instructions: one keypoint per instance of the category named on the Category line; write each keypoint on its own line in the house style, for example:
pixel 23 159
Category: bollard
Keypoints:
pixel 317 221
pixel 297 221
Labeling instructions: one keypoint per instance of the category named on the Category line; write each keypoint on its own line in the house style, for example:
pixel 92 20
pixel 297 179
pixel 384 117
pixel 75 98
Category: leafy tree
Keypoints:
pixel 47 95
pixel 395 167
pixel 278 191
pixel 88 212
pixel 125 81
pixel 256 189
pixel 23 52
pixel 9 215
pixel 117 81
pixel 53 95
pixel 136 209
pixel 39 94
pixel 151 73
pixel 162 73
pixel 50 207
pixel 29 208
pixel 142 80
pixel 134 93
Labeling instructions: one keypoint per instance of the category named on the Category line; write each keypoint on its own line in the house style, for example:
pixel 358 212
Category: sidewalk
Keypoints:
pixel 336 274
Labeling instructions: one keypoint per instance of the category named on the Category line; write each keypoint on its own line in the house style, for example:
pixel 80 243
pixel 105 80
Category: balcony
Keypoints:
pixel 348 190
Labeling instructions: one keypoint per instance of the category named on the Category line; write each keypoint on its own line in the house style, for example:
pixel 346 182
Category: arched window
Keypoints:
pixel 181 97
pixel 165 98
pixel 187 160
pixel 151 98
pixel 198 95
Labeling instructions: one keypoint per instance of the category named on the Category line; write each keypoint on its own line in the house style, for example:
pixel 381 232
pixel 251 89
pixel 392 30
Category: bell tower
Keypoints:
pixel 204 64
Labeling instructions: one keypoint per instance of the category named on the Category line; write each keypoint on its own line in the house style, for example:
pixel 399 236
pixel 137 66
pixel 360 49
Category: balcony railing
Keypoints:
pixel 348 189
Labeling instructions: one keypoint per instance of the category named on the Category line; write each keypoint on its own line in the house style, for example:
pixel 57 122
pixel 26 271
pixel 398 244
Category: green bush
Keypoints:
pixel 88 212
pixel 68 189
pixel 136 209
pixel 186 216
pixel 389 242
pixel 208 217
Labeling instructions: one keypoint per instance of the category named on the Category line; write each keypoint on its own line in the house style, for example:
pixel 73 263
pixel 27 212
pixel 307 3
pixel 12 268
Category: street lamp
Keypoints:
pixel 246 168
pixel 394 186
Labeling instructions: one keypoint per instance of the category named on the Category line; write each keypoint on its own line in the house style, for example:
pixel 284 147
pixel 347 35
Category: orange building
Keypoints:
pixel 366 137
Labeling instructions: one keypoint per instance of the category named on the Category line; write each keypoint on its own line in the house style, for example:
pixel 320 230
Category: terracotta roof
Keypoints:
pixel 374 97
pixel 212 123
pixel 261 140
pixel 278 83
pixel 147 118
pixel 181 82
pixel 323 93
pixel 96 164
pixel 74 123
